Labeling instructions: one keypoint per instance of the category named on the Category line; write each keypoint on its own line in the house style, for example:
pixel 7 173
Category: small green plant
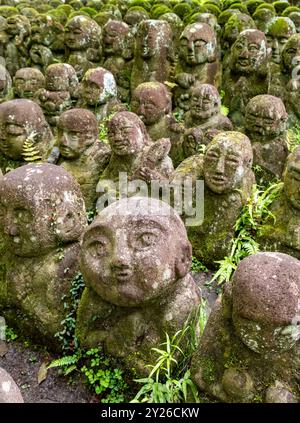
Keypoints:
pixel 10 334
pixel 252 216
pixel 169 380
pixel 30 152
pixel 293 138
pixel 224 109
pixel 90 214
pixel 197 266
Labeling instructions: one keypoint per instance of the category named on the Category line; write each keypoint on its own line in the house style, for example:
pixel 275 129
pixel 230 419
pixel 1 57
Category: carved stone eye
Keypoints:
pixel 145 240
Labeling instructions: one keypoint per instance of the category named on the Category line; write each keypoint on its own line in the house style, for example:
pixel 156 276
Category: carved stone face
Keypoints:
pixel 81 33
pixel 114 33
pixel 197 44
pixel 126 134
pixel 77 130
pixel 151 101
pixel 265 117
pixel 16 24
pixel 27 81
pixel 205 101
pixel 291 53
pixel 41 207
pixel 152 36
pixel 135 251
pixel 97 87
pixel 21 120
pixel 45 30
pixel 61 77
pixel 292 179
pixel 249 52
pixel 226 160
pixel 193 137
pixel 278 33
pixel 266 294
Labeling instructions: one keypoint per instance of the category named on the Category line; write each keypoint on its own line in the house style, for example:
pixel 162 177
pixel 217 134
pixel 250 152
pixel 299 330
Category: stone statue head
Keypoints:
pixel 46 30
pixel 278 32
pixel 265 302
pixel 198 44
pixel 192 139
pixel 98 86
pixel 41 208
pixel 114 35
pixel 135 251
pixel 127 134
pixel 61 77
pixel 153 38
pixel 22 120
pixel 205 101
pixel 291 54
pixel 226 161
pixel 77 130
pixel 292 179
pixel 151 101
pixel 237 24
pixel 249 53
pixel 27 81
pixel 265 117
pixel 81 33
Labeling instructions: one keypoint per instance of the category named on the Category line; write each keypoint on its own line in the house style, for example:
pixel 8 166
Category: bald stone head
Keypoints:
pixel 135 251
pixel 98 86
pixel 198 44
pixel 27 81
pixel 41 207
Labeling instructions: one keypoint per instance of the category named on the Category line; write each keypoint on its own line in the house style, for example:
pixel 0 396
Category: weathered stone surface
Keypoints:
pixel 250 348
pixel 27 81
pixel 9 391
pixel 278 32
pixel 135 259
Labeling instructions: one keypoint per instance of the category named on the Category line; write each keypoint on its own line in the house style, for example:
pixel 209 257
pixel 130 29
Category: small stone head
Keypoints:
pixel 127 134
pixel 237 24
pixel 265 117
pixel 134 16
pixel 114 35
pixel 81 33
pixel 22 120
pixel 17 24
pixel 153 38
pixel 266 302
pixel 291 54
pixel 192 139
pixel 27 81
pixel 98 86
pixel 249 53
pixel 135 251
pixel 278 33
pixel 205 101
pixel 198 44
pixel 46 30
pixel 61 77
pixel 151 101
pixel 41 208
pixel 227 160
pixel 77 130
pixel 292 178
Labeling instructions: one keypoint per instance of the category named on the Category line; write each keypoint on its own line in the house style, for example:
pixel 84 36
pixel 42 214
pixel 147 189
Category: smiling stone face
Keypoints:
pixel 135 251
pixel 226 161
pixel 198 44
pixel 81 33
pixel 292 179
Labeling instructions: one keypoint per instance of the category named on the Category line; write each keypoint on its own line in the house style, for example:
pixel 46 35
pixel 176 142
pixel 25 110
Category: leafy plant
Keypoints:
pixel 293 138
pixel 224 109
pixel 197 266
pixel 169 379
pixel 10 334
pixel 252 216
pixel 30 152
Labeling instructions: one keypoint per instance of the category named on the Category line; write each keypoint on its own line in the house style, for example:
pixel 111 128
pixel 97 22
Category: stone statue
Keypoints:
pixel 278 32
pixel 27 81
pixel 135 260
pixel 249 351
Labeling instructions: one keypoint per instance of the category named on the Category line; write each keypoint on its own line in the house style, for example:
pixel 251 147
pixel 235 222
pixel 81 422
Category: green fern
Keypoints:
pixel 65 361
pixel 293 138
pixel 30 152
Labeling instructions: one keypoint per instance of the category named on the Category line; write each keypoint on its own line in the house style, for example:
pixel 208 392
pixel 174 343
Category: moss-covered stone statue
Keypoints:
pixel 27 81
pixel 265 125
pixel 152 102
pixel 82 154
pixel 205 109
pixel 83 43
pixel 228 179
pixel 282 231
pixel 278 32
pixel 250 350
pixel 6 92
pixel 98 92
pixel 153 53
pixel 25 134
pixel 135 260
pixel 42 219
pixel 60 91
pixel 247 73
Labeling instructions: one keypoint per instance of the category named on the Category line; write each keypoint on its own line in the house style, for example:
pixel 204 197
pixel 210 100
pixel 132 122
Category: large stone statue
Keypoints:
pixel 228 180
pixel 42 218
pixel 250 350
pixel 135 260
pixel 265 125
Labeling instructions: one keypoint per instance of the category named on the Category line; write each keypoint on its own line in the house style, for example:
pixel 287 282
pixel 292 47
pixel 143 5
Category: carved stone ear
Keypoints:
pixel 183 260
pixel 69 224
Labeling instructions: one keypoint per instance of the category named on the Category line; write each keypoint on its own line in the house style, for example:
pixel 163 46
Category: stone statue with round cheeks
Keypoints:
pixel 21 120
pixel 257 324
pixel 292 179
pixel 114 34
pixel 198 44
pixel 205 102
pixel 291 54
pixel 249 53
pixel 81 33
pixel 135 259
pixel 61 77
pixel 27 81
pixel 226 162
pixel 278 33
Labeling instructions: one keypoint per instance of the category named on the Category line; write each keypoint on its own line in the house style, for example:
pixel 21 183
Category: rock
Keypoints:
pixel 9 391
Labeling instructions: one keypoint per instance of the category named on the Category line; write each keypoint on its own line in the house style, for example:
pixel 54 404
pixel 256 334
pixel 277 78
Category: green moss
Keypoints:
pixel 266 6
pixel 280 6
pixel 78 13
pixel 7 11
pixel 89 11
pixel 226 15
pixel 290 10
pixel 252 5
pixel 211 8
pixel 75 4
pixel 66 8
pixel 159 10
pixel 281 26
pixel 182 10
pixel 208 369
pixel 146 5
